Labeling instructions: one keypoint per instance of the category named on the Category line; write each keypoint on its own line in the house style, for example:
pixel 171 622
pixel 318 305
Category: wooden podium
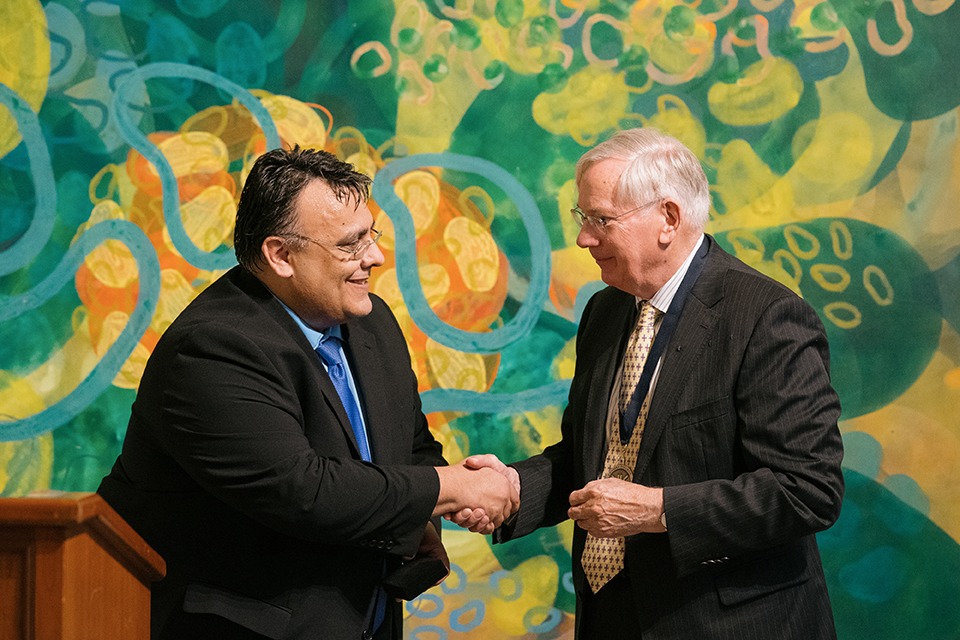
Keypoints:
pixel 72 569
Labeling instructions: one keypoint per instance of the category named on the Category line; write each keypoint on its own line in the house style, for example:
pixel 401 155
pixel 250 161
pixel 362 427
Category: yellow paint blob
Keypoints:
pixel 454 369
pixel 297 123
pixel 208 218
pixel 18 479
pixel 194 152
pixel 593 101
pixel 25 52
pixel 420 191
pixel 769 89
pixel 531 585
pixel 833 150
pixel 673 117
pixel 475 252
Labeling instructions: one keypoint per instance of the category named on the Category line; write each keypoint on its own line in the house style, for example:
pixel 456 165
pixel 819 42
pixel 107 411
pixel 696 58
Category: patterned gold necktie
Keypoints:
pixel 602 558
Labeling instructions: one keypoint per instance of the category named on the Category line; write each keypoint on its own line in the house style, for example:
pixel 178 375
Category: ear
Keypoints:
pixel 672 215
pixel 277 255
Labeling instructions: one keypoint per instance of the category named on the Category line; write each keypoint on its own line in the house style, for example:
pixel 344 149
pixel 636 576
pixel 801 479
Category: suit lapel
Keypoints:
pixel 365 363
pixel 272 307
pixel 692 335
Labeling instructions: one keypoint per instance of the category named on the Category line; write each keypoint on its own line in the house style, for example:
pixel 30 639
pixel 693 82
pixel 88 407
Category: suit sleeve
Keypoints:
pixel 547 479
pixel 233 416
pixel 786 441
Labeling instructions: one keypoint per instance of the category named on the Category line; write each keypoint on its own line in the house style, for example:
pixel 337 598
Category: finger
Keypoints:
pixel 480 461
pixel 463 518
pixel 481 526
pixel 592 489
pixel 473 462
pixel 476 517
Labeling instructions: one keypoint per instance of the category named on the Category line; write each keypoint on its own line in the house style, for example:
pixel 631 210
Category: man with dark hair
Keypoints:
pixel 699 450
pixel 277 456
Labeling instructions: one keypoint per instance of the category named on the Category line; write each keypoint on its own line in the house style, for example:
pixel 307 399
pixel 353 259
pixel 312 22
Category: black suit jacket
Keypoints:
pixel 241 469
pixel 741 433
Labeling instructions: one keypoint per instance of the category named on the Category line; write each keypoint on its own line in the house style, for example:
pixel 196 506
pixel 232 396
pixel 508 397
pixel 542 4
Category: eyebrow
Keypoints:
pixel 354 237
pixel 595 213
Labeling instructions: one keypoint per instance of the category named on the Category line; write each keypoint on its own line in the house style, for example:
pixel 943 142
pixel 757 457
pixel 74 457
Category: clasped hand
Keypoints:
pixel 612 508
pixel 486 473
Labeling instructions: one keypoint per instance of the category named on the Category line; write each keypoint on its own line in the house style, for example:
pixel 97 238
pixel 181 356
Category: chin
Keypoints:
pixel 610 279
pixel 360 309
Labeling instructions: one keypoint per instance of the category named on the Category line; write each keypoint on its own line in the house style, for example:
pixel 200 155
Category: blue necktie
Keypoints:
pixel 329 352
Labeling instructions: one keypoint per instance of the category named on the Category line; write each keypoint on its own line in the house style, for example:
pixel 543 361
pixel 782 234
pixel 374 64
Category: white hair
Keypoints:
pixel 658 166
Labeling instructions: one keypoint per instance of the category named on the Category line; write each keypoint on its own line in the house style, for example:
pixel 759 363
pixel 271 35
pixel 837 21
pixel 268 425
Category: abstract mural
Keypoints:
pixel 828 130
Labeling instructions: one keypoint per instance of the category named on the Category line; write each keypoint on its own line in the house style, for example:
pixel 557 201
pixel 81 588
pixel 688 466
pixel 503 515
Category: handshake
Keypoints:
pixel 478 493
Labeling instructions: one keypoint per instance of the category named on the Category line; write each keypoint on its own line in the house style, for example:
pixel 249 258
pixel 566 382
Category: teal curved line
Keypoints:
pixel 44 185
pixel 148 268
pixel 408 275
pixel 120 112
pixel 549 395
pixel 285 31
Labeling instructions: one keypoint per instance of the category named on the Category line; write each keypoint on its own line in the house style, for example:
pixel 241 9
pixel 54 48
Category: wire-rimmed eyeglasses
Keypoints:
pixel 600 222
pixel 356 250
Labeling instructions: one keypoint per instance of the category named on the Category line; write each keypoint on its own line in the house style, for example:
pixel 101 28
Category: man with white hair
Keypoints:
pixel 699 451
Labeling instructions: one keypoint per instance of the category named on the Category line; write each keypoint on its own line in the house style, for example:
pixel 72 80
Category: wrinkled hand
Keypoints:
pixel 612 508
pixel 483 497
pixel 475 519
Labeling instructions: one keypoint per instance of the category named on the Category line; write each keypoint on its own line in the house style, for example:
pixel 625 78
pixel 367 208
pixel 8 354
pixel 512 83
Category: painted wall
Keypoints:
pixel 829 132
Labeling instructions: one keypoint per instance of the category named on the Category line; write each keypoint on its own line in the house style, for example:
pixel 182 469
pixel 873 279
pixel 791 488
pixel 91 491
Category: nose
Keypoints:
pixel 373 257
pixel 586 238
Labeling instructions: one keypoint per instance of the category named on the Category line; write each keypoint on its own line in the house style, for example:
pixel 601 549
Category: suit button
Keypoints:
pixel 367 635
pixel 380 544
pixel 389 545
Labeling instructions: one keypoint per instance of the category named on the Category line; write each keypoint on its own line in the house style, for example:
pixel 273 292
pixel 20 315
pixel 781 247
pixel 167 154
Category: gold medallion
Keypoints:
pixel 622 473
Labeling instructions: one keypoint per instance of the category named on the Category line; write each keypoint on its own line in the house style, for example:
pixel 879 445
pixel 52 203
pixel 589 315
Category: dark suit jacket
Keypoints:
pixel 241 469
pixel 741 433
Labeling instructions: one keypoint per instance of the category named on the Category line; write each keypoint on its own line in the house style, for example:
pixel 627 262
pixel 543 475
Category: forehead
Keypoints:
pixel 319 210
pixel 599 181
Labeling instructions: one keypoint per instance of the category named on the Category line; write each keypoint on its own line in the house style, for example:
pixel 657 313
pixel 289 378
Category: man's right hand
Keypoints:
pixel 483 495
pixel 475 519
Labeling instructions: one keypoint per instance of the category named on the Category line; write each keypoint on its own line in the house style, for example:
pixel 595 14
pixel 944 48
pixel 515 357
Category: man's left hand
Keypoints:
pixel 431 546
pixel 612 508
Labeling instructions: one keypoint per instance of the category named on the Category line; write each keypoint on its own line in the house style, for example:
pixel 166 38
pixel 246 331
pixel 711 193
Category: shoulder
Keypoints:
pixel 230 297
pixel 607 300
pixel 726 276
pixel 236 309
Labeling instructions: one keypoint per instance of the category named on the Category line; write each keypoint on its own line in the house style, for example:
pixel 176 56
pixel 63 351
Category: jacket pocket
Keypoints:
pixel 258 616
pixel 763 576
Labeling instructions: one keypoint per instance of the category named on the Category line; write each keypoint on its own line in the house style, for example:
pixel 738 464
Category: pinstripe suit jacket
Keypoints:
pixel 741 433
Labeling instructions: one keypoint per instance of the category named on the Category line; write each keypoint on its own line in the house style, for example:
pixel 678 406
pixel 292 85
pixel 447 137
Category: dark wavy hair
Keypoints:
pixel 267 202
